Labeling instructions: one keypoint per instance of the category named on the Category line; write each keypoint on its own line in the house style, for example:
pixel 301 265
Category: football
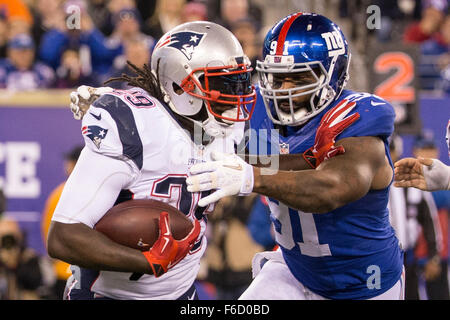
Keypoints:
pixel 134 223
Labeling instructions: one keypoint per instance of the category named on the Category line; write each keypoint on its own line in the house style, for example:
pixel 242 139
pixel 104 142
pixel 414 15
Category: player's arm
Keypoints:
pixel 89 192
pixel 336 182
pixel 285 161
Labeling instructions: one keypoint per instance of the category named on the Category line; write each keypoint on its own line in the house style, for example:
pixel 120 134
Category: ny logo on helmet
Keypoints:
pixel 335 43
pixel 185 41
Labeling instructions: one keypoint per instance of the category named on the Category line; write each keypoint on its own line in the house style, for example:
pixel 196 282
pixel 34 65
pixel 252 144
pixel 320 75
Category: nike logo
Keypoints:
pixel 167 228
pixel 233 166
pixel 193 296
pixel 165 244
pixel 376 103
pixel 99 117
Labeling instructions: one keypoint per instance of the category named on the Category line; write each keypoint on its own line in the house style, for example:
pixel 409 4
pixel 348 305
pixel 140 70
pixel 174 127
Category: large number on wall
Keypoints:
pixel 398 87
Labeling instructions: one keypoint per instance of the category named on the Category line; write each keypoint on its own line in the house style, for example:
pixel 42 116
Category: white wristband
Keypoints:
pixel 437 176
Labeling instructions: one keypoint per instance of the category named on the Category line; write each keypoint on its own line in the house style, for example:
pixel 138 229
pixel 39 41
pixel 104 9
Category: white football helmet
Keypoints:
pixel 200 63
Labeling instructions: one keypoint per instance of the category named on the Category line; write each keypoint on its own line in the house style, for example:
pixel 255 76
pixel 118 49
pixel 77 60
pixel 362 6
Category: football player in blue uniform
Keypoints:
pixel 331 220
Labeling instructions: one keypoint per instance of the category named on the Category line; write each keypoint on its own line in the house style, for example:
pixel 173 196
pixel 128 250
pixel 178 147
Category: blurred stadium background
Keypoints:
pixel 400 51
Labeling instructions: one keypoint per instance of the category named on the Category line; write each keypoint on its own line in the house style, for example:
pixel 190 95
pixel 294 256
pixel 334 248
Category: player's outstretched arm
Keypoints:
pixel 422 173
pixel 335 182
pixel 230 175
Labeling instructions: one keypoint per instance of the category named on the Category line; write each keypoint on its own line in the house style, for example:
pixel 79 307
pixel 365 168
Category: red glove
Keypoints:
pixel 331 125
pixel 166 251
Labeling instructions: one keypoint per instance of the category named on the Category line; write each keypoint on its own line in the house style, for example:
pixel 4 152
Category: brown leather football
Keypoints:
pixel 135 223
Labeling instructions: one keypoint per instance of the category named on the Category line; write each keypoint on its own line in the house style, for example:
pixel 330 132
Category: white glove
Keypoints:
pixel 81 99
pixel 227 173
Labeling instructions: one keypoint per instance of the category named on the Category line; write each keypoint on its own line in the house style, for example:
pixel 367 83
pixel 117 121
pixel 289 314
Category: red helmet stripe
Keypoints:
pixel 283 33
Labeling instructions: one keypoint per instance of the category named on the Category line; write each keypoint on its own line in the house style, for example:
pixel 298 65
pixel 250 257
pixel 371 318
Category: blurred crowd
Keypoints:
pixel 64 44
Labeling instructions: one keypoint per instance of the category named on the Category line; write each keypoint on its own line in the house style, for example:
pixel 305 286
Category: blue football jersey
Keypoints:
pixel 351 252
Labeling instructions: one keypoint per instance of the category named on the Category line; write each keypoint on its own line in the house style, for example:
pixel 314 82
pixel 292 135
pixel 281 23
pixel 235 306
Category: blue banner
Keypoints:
pixel 33 142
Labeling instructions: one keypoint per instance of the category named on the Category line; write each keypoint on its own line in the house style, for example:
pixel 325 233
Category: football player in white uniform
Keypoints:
pixel 140 144
pixel 423 173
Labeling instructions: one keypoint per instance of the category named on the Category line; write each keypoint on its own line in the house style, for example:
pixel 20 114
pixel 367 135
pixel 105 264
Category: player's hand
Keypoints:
pixel 331 125
pixel 422 173
pixel 408 172
pixel 227 173
pixel 166 252
pixel 81 99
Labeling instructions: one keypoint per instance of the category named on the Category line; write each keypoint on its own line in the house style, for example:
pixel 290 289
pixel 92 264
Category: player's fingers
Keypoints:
pixel 327 117
pixel 425 161
pixel 164 223
pixel 74 108
pixel 402 184
pixel 410 183
pixel 401 169
pixel 340 112
pixel 344 124
pixel 199 178
pixel 84 92
pixel 203 167
pixel 214 197
pixel 335 151
pixel 406 163
pixel 74 97
pixel 194 233
pixel 202 182
pixel 407 176
pixel 201 187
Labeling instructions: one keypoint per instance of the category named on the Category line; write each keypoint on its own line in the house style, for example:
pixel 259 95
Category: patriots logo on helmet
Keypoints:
pixel 185 41
pixel 95 133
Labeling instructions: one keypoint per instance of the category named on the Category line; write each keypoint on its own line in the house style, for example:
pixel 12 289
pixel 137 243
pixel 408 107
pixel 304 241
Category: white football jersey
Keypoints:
pixel 134 128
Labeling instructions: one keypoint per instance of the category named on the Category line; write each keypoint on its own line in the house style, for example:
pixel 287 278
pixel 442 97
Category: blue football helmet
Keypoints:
pixel 312 54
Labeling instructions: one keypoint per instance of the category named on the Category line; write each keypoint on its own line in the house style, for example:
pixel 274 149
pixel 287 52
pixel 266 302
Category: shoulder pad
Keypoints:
pixel 109 127
pixel 376 116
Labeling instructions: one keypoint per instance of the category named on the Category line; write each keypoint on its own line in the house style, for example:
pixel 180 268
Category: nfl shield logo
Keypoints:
pixel 284 148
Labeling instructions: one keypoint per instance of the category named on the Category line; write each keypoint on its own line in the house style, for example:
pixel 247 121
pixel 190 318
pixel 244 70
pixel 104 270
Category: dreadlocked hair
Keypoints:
pixel 144 78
